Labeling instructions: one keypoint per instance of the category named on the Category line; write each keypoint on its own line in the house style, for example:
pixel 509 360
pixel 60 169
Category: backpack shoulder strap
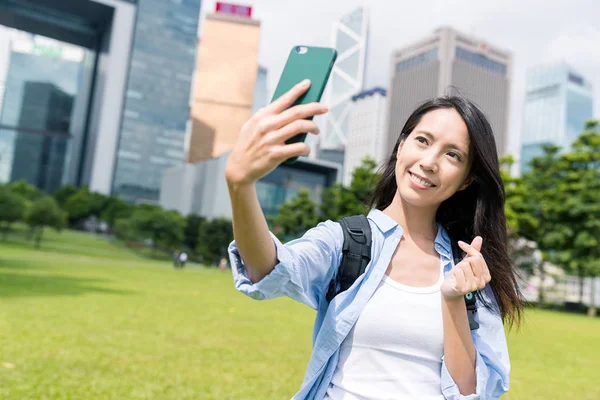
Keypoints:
pixel 356 253
pixel 458 255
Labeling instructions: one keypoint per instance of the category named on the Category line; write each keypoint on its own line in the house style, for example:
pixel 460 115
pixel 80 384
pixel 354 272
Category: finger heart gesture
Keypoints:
pixel 470 274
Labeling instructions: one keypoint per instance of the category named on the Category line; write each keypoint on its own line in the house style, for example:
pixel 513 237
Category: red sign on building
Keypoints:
pixel 234 9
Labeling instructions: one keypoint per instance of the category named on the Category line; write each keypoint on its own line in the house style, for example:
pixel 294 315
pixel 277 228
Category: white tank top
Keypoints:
pixel 395 349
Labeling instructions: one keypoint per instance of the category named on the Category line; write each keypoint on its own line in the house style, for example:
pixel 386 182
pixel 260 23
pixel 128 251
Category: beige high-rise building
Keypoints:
pixel 448 62
pixel 223 91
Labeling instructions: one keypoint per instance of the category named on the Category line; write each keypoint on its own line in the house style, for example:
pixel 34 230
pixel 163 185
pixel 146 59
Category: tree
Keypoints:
pixel 12 208
pixel 578 208
pixel 214 237
pixel 517 215
pixel 84 204
pixel 25 190
pixel 540 205
pixel 123 229
pixel 339 201
pixel 364 180
pixel 295 217
pixel 165 228
pixel 44 212
pixel 524 253
pixel 191 230
pixel 564 201
pixel 115 209
pixel 63 193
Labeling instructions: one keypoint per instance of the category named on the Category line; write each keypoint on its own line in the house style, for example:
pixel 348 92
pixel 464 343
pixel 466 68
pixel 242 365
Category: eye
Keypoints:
pixel 455 155
pixel 421 139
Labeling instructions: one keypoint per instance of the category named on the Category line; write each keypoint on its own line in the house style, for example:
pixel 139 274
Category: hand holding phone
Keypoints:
pixel 306 62
pixel 263 141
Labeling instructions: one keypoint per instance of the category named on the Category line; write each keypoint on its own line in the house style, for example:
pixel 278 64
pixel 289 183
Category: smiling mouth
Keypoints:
pixel 420 180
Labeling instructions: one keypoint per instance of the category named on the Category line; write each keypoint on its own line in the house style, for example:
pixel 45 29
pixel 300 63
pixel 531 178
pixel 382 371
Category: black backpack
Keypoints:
pixel 356 254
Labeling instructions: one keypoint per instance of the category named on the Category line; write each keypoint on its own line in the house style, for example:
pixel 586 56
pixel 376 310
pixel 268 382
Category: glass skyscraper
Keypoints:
pixel 157 99
pixel 41 106
pixel 350 41
pixel 127 66
pixel 558 101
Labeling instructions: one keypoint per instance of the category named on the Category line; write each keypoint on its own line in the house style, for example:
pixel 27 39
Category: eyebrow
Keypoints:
pixel 451 145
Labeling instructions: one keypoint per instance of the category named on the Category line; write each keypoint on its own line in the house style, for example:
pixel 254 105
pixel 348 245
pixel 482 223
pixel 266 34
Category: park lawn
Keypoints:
pixel 83 318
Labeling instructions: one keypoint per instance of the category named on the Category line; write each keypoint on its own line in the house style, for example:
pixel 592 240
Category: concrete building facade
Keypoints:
pixel 223 93
pixel 450 62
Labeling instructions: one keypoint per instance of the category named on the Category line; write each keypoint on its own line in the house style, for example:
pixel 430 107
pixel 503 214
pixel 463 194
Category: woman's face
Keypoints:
pixel 434 160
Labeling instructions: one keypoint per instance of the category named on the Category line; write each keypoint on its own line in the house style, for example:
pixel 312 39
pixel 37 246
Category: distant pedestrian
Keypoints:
pixel 223 264
pixel 182 259
pixel 176 259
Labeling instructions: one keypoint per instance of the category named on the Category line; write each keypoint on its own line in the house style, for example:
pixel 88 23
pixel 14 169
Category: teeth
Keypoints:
pixel 420 181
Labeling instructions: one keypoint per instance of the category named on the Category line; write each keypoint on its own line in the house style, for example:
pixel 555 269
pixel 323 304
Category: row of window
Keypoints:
pixel 480 60
pixel 415 61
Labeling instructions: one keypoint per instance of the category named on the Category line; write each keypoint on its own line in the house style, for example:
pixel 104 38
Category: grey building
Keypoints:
pixel 449 62
pixel 201 188
pixel 131 85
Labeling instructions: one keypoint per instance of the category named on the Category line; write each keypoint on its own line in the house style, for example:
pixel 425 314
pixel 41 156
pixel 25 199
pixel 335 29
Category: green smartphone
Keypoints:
pixel 306 62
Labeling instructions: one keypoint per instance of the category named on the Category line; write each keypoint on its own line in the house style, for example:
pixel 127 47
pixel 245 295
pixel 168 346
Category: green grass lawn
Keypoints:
pixel 82 318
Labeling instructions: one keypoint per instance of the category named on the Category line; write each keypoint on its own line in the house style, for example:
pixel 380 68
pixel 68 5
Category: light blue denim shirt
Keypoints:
pixel 303 272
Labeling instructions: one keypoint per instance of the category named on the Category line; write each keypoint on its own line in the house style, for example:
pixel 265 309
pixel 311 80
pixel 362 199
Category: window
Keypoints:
pixel 415 61
pixel 480 60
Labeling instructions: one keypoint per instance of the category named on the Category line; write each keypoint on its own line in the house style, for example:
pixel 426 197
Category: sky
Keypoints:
pixel 535 32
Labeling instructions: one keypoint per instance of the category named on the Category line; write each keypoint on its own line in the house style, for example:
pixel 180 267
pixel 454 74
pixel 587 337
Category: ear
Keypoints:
pixel 468 182
pixel 400 146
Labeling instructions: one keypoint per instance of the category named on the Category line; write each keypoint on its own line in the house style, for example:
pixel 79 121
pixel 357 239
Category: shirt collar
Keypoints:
pixel 442 242
pixel 385 224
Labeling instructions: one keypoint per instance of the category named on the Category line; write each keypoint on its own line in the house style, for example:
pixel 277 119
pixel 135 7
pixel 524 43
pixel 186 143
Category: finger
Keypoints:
pixel 286 151
pixel 295 128
pixel 487 275
pixel 477 242
pixel 472 283
pixel 469 249
pixel 288 98
pixel 301 111
pixel 476 264
pixel 480 271
pixel 461 280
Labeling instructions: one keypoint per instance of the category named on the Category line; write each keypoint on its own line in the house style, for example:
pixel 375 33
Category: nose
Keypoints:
pixel 429 162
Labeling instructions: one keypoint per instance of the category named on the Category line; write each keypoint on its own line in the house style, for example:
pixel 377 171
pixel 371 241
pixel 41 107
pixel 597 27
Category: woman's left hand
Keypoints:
pixel 470 274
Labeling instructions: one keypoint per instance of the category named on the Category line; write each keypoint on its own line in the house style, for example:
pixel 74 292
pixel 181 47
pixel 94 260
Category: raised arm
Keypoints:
pixel 259 149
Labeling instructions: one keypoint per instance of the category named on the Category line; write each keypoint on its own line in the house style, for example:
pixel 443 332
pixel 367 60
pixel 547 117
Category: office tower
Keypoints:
pixel 226 73
pixel 450 62
pixel 558 101
pixel 366 131
pixel 350 40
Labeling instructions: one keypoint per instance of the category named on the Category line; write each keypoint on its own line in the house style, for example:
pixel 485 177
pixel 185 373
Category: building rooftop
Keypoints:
pixel 370 92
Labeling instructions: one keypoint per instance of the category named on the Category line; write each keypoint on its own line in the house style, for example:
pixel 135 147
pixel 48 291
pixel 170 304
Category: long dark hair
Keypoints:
pixel 477 210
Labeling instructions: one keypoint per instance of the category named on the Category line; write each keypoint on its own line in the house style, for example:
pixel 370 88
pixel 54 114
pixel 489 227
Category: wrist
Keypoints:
pixel 236 179
pixel 238 187
pixel 453 299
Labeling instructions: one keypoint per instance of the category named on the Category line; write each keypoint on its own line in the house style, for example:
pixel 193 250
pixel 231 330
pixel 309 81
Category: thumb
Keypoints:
pixel 477 242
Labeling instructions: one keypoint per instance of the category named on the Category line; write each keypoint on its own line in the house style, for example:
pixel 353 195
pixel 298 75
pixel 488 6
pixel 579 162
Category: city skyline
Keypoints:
pixel 568 31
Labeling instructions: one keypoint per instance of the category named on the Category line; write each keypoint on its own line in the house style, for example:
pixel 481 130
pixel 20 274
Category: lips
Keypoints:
pixel 422 178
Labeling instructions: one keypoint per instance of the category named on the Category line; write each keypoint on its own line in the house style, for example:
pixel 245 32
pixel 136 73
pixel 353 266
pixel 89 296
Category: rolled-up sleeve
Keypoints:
pixel 304 268
pixel 492 366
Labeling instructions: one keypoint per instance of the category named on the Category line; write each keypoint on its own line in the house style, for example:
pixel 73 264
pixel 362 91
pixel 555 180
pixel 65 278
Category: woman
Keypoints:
pixel 401 331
